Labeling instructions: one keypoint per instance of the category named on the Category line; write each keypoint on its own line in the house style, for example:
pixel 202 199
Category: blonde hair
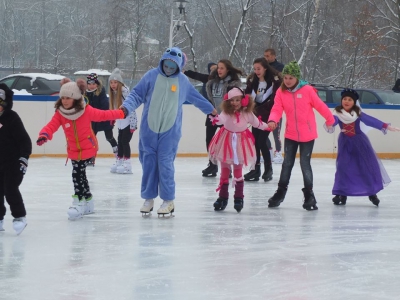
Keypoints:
pixel 115 96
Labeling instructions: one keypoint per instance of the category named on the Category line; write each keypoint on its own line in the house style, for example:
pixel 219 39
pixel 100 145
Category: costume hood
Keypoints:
pixel 176 55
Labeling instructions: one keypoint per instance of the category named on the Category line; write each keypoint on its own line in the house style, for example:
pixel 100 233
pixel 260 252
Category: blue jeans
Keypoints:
pixel 306 149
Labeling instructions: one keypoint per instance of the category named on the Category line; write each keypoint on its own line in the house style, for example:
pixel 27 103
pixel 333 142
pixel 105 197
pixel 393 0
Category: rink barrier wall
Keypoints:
pixel 36 111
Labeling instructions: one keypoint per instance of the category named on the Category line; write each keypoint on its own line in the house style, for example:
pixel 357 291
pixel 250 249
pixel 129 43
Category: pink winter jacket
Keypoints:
pixel 81 141
pixel 298 106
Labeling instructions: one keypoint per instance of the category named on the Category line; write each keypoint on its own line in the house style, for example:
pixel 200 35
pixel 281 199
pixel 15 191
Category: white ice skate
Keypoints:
pixel 125 168
pixel 278 158
pixel 1 225
pixel 19 224
pixel 89 207
pixel 77 209
pixel 167 207
pixel 115 166
pixel 147 207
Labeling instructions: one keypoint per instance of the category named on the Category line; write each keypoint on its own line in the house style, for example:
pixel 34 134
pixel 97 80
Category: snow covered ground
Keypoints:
pixel 337 252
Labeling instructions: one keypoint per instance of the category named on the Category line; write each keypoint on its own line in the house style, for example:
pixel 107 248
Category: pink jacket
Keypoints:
pixel 81 141
pixel 298 106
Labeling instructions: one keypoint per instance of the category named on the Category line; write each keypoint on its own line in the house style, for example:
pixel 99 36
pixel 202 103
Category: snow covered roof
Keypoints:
pixel 97 71
pixel 41 75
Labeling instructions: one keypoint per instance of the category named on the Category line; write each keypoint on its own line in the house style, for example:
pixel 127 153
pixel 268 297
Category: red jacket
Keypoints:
pixel 81 141
pixel 299 107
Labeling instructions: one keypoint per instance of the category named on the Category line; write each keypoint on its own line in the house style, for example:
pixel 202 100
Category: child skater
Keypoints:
pixel 15 149
pixel 297 99
pixel 234 144
pixel 97 98
pixel 126 127
pixel 359 172
pixel 262 85
pixel 75 117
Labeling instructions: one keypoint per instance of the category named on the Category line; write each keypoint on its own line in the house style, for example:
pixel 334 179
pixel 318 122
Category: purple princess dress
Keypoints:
pixel 359 172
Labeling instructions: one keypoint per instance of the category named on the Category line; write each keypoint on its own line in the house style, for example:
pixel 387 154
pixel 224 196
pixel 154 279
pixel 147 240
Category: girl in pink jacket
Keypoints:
pixel 233 145
pixel 75 117
pixel 298 100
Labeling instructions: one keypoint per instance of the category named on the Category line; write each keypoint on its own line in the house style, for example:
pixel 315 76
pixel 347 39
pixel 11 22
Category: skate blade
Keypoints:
pixel 311 208
pixel 146 214
pixel 89 213
pixel 166 216
pixel 75 218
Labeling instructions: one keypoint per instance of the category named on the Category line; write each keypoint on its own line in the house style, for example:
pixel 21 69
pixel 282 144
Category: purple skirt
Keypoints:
pixel 359 172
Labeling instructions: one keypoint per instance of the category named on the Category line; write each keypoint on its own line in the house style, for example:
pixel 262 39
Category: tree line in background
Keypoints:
pixel 340 42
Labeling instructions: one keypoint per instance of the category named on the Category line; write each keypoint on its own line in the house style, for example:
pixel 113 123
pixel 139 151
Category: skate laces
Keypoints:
pixel 165 204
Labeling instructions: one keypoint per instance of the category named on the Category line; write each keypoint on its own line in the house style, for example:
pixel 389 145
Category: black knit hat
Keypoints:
pixel 6 96
pixel 349 93
pixel 92 78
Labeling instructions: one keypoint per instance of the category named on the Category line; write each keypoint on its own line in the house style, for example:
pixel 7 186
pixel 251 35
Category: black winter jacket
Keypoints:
pixel 99 102
pixel 14 140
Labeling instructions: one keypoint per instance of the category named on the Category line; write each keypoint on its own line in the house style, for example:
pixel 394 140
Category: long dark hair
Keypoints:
pixel 270 73
pixel 232 71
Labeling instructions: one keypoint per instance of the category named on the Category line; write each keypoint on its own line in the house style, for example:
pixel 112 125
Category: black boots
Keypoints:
pixel 309 199
pixel 374 199
pixel 339 200
pixel 211 170
pixel 253 175
pixel 267 176
pixel 278 197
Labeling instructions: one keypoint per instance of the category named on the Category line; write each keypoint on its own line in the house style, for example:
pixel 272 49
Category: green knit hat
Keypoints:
pixel 292 69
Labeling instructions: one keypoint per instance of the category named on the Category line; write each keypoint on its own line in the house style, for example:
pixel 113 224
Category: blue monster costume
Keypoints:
pixel 160 131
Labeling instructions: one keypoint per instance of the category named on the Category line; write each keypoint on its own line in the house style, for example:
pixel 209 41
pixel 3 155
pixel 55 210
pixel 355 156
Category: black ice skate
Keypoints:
pixel 278 197
pixel 339 200
pixel 211 170
pixel 267 176
pixel 238 204
pixel 253 175
pixel 374 199
pixel 221 203
pixel 238 197
pixel 310 203
pixel 222 200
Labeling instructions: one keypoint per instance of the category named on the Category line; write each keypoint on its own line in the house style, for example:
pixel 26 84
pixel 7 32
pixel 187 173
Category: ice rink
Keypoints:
pixel 338 252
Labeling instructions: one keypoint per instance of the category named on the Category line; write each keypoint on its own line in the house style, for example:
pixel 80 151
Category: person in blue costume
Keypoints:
pixel 162 90
pixel 359 172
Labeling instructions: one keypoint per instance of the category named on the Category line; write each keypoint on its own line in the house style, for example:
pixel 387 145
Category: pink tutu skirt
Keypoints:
pixel 233 148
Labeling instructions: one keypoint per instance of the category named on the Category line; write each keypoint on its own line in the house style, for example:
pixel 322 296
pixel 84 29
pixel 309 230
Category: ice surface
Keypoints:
pixel 337 252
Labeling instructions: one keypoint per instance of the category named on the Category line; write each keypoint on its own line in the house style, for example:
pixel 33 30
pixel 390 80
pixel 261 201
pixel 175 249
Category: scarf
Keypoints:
pixel 346 117
pixel 72 114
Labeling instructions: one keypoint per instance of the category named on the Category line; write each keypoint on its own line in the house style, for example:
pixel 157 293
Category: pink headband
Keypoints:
pixel 237 92
pixel 233 93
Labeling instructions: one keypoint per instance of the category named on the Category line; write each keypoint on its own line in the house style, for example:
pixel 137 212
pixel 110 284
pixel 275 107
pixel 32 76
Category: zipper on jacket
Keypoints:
pixel 295 117
pixel 78 146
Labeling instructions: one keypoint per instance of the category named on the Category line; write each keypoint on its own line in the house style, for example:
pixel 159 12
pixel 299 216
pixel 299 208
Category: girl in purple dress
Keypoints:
pixel 359 172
